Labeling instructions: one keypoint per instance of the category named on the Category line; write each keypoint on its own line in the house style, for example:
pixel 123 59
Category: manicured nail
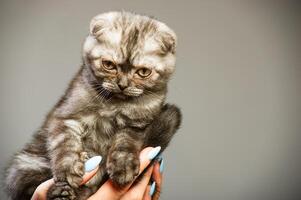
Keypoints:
pixel 161 166
pixel 152 154
pixel 92 163
pixel 152 188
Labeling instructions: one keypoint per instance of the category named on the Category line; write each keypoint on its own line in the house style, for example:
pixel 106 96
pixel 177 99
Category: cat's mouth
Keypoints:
pixel 125 93
pixel 121 96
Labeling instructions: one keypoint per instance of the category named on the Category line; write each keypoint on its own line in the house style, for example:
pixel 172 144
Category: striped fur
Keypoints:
pixel 96 116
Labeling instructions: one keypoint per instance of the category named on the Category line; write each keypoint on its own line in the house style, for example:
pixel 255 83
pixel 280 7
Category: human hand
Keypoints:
pixel 140 190
pixel 108 191
pixel 41 191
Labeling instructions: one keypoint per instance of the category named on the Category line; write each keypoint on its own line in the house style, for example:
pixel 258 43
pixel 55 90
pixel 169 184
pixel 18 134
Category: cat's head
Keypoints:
pixel 129 54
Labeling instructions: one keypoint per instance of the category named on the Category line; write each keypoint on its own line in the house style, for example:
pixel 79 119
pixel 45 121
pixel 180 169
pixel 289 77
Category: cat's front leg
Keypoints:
pixel 123 158
pixel 163 128
pixel 67 162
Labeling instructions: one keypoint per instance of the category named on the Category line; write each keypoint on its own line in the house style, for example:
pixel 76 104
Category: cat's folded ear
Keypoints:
pixel 167 38
pixel 97 26
pixel 100 22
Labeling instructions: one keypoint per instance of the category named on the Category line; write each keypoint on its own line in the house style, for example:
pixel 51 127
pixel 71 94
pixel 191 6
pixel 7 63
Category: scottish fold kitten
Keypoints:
pixel 114 107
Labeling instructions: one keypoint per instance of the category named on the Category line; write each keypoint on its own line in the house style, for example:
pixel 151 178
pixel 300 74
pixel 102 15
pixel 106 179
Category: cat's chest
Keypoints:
pixel 100 122
pixel 111 119
pixel 100 127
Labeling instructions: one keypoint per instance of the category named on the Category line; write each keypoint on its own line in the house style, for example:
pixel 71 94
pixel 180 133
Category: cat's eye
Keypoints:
pixel 144 72
pixel 108 65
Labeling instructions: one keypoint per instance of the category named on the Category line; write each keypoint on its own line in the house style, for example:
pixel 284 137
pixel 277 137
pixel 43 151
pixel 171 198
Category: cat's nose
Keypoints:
pixel 122 82
pixel 122 86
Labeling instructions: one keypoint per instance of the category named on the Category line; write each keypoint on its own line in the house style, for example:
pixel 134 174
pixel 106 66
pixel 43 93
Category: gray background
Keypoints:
pixel 237 82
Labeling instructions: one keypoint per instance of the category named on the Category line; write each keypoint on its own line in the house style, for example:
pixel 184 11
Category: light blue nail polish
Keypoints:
pixel 152 188
pixel 92 163
pixel 153 152
pixel 161 165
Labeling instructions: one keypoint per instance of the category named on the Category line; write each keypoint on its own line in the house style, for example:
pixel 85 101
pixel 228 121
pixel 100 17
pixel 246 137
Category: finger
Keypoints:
pixel 137 191
pixel 146 195
pixel 91 168
pixel 88 175
pixel 109 191
pixel 147 155
pixel 41 191
pixel 157 176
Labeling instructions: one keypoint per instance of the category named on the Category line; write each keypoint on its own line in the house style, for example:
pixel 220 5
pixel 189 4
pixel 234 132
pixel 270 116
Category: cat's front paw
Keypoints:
pixel 61 191
pixel 75 174
pixel 123 167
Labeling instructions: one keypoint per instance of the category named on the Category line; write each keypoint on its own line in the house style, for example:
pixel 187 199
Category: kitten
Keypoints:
pixel 114 107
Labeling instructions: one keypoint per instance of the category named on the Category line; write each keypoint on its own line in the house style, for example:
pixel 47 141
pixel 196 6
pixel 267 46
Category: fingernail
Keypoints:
pixel 161 165
pixel 152 188
pixel 154 152
pixel 92 163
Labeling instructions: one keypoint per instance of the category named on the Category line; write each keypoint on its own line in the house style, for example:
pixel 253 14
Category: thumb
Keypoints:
pixel 91 168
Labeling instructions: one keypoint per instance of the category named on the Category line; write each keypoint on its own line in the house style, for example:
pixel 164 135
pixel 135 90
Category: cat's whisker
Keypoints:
pixel 100 95
pixel 152 93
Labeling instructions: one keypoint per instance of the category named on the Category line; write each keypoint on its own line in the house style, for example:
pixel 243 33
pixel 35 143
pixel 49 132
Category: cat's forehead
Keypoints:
pixel 127 36
pixel 127 31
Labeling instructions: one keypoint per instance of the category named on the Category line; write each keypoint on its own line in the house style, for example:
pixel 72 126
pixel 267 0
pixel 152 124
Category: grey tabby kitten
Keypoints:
pixel 114 107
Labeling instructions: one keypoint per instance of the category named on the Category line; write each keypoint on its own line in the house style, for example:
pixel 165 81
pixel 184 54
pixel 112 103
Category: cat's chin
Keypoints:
pixel 121 96
pixel 124 96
